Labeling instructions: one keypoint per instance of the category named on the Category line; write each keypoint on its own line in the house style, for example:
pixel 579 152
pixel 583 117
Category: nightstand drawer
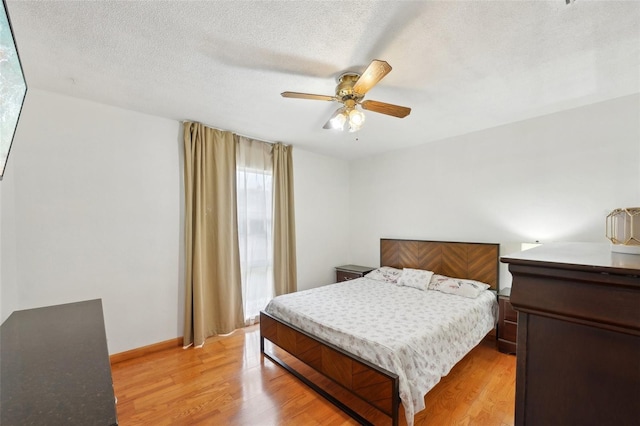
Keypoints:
pixel 506 347
pixel 510 314
pixel 507 323
pixel 346 276
pixel 508 331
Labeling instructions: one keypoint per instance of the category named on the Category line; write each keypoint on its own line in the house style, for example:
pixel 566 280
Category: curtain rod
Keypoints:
pixel 235 133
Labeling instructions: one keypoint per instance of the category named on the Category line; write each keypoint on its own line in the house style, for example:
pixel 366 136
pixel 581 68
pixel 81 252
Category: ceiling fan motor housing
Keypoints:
pixel 344 90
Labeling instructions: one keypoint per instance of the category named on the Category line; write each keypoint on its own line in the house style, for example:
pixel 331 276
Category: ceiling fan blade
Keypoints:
pixel 371 76
pixel 384 108
pixel 307 96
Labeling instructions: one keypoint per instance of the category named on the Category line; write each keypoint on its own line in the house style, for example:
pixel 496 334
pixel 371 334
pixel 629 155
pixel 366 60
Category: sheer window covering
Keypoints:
pixel 254 167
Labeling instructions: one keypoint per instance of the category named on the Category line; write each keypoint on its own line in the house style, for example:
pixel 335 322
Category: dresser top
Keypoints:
pixel 55 370
pixel 594 257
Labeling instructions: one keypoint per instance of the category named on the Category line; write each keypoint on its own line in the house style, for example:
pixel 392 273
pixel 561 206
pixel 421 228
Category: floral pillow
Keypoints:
pixel 464 288
pixel 416 278
pixel 386 274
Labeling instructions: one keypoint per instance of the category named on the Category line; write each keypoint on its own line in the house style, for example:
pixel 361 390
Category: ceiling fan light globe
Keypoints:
pixel 354 127
pixel 338 121
pixel 356 118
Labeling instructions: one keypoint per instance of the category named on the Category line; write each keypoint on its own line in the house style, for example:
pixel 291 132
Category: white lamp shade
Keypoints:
pixel 623 230
pixel 527 246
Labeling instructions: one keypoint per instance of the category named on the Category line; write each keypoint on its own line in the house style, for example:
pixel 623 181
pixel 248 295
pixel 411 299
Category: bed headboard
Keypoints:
pixel 474 261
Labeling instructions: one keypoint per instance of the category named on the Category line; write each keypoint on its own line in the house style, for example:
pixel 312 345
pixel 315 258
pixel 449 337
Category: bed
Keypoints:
pixel 376 351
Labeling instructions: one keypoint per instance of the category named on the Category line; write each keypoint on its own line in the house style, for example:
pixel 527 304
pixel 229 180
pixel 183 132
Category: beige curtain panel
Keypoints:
pixel 213 298
pixel 284 228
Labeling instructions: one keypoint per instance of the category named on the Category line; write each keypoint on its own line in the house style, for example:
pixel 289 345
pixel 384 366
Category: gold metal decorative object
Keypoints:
pixel 623 230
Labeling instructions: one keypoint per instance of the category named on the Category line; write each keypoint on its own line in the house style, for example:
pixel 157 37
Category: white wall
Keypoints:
pixel 321 187
pixel 97 195
pixel 97 203
pixel 552 178
pixel 9 300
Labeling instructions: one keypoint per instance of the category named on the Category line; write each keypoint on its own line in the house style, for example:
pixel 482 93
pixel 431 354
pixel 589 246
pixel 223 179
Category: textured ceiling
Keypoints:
pixel 461 66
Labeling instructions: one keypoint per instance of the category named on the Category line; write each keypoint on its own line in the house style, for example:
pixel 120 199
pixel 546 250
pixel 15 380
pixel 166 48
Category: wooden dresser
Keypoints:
pixel 578 345
pixel 55 369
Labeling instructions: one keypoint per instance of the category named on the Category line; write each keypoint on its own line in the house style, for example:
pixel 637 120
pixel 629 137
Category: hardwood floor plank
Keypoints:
pixel 228 382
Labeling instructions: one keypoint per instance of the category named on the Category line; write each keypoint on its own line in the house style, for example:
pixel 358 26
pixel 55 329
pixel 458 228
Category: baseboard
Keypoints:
pixel 145 350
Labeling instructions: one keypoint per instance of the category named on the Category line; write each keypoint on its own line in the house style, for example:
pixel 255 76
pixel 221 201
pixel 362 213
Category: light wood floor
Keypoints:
pixel 228 382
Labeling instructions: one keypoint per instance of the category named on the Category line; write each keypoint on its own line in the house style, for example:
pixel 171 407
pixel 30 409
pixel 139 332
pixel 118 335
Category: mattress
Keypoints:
pixel 418 335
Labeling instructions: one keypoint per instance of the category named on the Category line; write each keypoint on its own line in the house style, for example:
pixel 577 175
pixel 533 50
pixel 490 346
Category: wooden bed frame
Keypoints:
pixel 374 385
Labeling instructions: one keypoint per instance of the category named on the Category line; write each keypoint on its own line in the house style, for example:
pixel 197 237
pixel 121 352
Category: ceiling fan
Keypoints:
pixel 350 91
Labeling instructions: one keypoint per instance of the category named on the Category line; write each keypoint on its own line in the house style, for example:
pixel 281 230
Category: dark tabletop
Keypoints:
pixel 54 367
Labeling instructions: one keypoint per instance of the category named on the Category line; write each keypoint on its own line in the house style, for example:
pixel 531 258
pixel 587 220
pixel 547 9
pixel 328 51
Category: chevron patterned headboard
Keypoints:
pixel 474 261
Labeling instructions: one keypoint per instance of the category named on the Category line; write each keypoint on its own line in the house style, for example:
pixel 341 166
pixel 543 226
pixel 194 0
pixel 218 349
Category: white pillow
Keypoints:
pixel 416 278
pixel 386 274
pixel 458 286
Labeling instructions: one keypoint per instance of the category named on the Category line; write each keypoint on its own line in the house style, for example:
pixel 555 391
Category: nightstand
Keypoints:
pixel 349 272
pixel 507 323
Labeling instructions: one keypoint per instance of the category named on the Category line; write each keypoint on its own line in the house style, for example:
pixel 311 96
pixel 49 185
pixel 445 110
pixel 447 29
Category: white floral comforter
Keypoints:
pixel 419 335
